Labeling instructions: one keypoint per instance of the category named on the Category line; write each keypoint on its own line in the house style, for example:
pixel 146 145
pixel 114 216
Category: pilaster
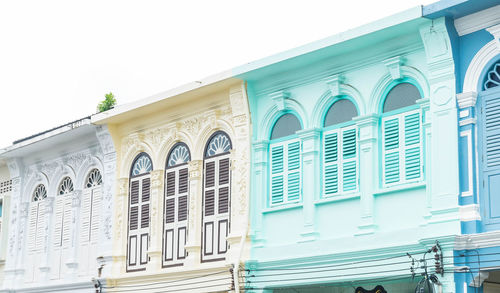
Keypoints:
pixel 444 182
pixel 311 182
pixel 46 250
pixel 368 170
pixel 193 245
pixel 259 197
pixel 72 263
pixel 156 220
pixel 120 227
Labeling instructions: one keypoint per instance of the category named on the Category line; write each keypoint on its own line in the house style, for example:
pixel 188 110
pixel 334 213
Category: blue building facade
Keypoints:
pixel 475 32
pixel 355 160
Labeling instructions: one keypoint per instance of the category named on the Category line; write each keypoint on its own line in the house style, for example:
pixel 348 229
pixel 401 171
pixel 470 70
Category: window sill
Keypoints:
pixel 282 208
pixel 336 198
pixel 398 188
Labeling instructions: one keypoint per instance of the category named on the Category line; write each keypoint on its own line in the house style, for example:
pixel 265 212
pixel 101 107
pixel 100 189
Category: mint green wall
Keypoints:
pixel 375 221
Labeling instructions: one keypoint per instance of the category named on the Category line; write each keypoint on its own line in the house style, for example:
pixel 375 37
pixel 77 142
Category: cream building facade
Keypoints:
pixel 182 185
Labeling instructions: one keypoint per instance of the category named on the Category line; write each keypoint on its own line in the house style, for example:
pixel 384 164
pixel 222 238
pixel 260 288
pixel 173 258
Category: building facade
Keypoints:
pixel 181 202
pixel 5 191
pixel 354 160
pixel 475 31
pixel 61 209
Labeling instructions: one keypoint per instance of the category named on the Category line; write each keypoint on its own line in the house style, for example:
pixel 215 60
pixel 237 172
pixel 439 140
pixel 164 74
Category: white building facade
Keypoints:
pixel 60 228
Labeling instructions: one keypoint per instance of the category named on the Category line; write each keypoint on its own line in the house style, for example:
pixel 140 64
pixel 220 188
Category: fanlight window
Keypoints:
pixel 492 79
pixel 219 144
pixel 142 165
pixel 66 186
pixel 94 178
pixel 286 125
pixel 178 155
pixel 341 111
pixel 40 193
pixel 402 95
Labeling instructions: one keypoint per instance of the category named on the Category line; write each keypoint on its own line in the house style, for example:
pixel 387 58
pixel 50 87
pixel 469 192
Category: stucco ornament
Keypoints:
pixel 442 95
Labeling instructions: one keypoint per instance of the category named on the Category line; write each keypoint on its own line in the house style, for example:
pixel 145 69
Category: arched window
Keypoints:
pixel 90 222
pixel 36 232
pixel 138 219
pixel 176 205
pixel 62 226
pixel 340 151
pixel 216 197
pixel 285 160
pixel 402 138
pixel 492 78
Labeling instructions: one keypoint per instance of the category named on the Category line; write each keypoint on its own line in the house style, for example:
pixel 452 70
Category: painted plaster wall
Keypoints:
pixel 74 154
pixel 369 223
pixel 190 118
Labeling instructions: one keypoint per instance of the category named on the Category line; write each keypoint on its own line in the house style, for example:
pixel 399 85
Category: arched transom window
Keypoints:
pixel 402 137
pixel 39 193
pixel 285 157
pixel 216 197
pixel 93 179
pixel 492 78
pixel 340 151
pixel 66 186
pixel 176 205
pixel 138 211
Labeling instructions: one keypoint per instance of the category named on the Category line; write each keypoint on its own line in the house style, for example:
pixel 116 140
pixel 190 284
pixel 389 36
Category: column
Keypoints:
pixel 72 263
pixel 369 173
pixel 156 221
pixel 120 226
pixel 311 179
pixel 259 196
pixel 46 250
pixel 193 245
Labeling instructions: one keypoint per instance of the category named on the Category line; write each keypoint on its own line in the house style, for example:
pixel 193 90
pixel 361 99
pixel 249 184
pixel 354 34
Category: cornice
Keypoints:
pixel 477 21
pixel 466 100
pixel 480 240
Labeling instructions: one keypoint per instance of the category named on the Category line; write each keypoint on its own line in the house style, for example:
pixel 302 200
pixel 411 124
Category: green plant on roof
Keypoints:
pixel 108 103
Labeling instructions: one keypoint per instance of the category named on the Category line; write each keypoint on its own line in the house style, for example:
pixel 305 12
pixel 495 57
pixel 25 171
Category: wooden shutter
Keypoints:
pixel 277 188
pixel 331 179
pixel 216 207
pixel 349 160
pixel 176 209
pixel 139 217
pixel 293 192
pixel 489 138
pixel 95 216
pixel 40 229
pixel 86 206
pixel 58 221
pixel 402 147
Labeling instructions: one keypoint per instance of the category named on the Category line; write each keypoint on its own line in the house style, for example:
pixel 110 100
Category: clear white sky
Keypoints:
pixel 59 58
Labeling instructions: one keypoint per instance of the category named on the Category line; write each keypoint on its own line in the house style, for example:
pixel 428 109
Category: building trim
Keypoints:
pixel 477 21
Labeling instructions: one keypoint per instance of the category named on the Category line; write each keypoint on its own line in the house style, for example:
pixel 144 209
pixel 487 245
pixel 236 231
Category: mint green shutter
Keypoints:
pixel 331 163
pixel 277 174
pixel 349 160
pixel 412 144
pixel 294 171
pixel 391 149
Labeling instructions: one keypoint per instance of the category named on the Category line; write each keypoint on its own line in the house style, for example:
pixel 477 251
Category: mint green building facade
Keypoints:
pixel 354 159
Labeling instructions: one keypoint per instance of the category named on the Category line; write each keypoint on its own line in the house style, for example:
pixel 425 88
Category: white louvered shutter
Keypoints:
pixel 83 252
pixel 31 242
pixel 95 215
pixel 402 148
pixel 340 161
pixel 57 237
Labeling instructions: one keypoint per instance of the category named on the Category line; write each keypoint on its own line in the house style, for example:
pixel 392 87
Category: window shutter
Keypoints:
pixel 58 220
pixel 294 171
pixel 145 203
pixel 223 191
pixel 40 229
pixel 391 150
pixel 331 163
pixel 95 218
pixel 33 217
pixel 412 146
pixel 85 216
pixel 492 133
pixel 277 174
pixel 349 157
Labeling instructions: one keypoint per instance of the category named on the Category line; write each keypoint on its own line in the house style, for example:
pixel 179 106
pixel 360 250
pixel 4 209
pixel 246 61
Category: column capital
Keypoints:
pixel 49 204
pixel 157 177
pixel 195 169
pixel 466 100
pixel 260 145
pixel 76 198
pixel 367 120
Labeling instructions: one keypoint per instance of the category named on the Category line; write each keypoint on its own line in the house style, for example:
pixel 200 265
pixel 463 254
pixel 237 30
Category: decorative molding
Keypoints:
pixel 477 21
pixel 394 66
pixel 279 99
pixel 334 82
pixel 479 240
pixel 495 32
pixel 478 64
pixel 466 100
pixel 468 121
pixel 468 135
pixel 469 213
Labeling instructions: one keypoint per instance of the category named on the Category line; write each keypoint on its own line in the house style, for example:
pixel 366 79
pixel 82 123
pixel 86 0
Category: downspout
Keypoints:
pixel 237 263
